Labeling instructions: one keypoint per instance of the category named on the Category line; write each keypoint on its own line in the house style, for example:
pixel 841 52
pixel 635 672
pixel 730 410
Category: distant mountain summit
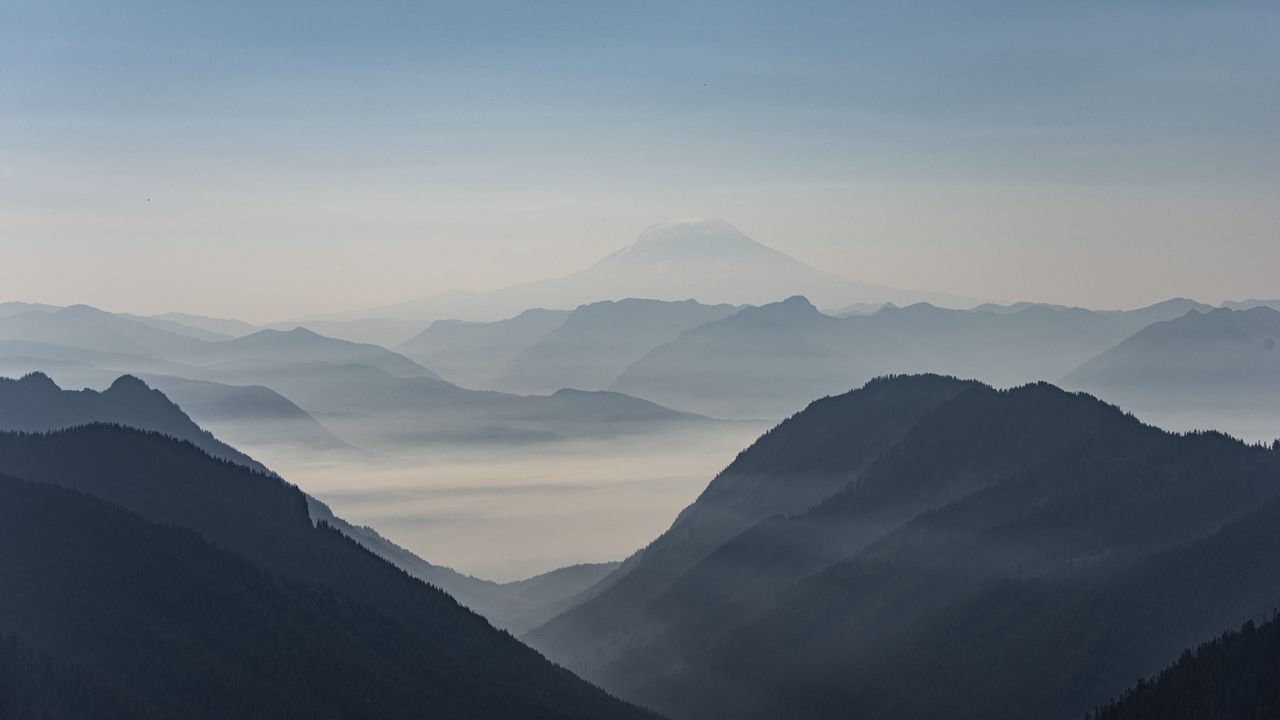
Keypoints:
pixel 707 260
pixel 697 239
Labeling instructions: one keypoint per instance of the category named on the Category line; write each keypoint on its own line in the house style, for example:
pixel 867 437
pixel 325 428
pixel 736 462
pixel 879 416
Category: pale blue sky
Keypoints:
pixel 272 159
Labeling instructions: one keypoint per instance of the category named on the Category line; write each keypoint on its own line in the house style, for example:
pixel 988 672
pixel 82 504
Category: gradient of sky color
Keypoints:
pixel 271 159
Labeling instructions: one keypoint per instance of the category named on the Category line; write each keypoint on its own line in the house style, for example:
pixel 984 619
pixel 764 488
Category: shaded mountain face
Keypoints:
pixel 1233 676
pixel 596 342
pixel 35 403
pixel 472 354
pixel 1222 366
pixel 859 557
pixel 770 361
pixel 203 589
pixel 707 260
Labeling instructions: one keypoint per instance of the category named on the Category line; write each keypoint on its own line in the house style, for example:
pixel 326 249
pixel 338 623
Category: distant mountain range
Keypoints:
pixel 1215 369
pixel 930 547
pixel 772 360
pixel 303 390
pixel 752 362
pixel 473 354
pixel 707 260
pixel 541 351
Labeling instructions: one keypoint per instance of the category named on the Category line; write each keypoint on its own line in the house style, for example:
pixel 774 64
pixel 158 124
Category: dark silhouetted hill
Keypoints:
pixel 205 590
pixel 929 547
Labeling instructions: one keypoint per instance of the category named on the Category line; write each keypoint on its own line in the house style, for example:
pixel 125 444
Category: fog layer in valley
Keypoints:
pixel 505 513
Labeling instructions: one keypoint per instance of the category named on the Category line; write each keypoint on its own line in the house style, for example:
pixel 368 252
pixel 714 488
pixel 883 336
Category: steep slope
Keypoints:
pixel 788 470
pixel 990 524
pixel 596 342
pixel 383 644
pixel 705 259
pixel 472 354
pixel 35 403
pixel 1233 676
pixel 514 606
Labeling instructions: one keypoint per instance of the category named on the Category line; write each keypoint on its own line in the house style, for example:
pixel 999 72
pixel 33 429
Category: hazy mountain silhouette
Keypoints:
pixel 768 362
pixel 387 332
pixel 367 394
pixel 1251 303
pixel 92 329
pixel 35 403
pixel 1233 676
pixel 472 354
pixel 251 415
pixel 927 547
pixel 247 414
pixel 274 347
pixel 596 342
pixel 761 362
pixel 14 307
pixel 1222 364
pixel 205 590
pixel 707 260
pixel 375 409
pixel 1139 318
pixel 221 326
pixel 176 327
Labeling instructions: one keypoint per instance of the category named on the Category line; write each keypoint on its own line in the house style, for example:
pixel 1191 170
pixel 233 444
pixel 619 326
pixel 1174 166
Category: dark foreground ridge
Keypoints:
pixel 142 578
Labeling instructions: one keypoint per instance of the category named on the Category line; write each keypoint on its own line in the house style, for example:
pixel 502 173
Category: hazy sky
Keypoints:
pixel 268 159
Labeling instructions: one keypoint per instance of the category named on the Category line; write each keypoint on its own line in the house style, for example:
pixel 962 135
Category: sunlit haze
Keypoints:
pixel 273 161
